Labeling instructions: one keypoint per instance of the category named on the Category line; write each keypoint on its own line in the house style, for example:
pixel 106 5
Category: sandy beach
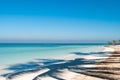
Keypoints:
pixel 108 69
pixel 91 67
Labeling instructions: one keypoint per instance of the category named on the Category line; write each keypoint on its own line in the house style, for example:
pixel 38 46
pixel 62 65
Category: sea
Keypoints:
pixel 14 53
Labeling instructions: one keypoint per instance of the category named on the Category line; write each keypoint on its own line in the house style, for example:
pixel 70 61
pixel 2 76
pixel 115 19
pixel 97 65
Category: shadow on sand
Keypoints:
pixel 101 70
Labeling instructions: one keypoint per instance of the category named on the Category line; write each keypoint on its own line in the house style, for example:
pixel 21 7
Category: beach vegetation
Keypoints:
pixel 114 42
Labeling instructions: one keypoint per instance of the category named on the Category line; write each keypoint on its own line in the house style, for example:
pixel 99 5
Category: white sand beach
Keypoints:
pixel 61 72
pixel 114 74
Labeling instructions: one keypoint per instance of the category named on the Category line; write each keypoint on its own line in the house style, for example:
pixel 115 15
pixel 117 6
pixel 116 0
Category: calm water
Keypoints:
pixel 18 53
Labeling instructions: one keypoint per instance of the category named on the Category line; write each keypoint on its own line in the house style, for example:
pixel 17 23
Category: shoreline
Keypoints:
pixel 65 71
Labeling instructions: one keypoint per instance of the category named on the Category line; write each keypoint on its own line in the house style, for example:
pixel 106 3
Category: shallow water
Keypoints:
pixel 19 53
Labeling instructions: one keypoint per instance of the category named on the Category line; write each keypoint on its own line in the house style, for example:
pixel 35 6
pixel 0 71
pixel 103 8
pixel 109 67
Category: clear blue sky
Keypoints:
pixel 59 20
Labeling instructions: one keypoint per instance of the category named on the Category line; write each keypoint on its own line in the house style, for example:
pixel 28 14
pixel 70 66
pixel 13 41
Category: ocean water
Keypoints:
pixel 12 53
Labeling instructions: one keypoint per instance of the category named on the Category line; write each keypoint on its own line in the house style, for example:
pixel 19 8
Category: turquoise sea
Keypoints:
pixel 12 53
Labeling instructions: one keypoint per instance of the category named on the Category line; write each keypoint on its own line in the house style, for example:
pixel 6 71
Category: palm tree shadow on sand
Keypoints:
pixel 108 69
pixel 100 69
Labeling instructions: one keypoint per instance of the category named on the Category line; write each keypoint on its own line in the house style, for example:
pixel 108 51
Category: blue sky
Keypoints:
pixel 59 20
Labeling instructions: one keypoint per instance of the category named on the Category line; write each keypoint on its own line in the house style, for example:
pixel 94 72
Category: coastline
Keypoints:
pixel 64 72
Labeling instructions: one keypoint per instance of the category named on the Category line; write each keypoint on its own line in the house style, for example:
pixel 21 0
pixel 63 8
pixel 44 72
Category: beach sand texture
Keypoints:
pixel 78 69
pixel 108 69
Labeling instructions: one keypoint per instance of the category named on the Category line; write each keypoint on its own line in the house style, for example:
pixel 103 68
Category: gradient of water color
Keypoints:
pixel 18 53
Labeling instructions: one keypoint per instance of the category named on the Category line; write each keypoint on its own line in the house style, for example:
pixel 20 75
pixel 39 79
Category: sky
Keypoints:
pixel 59 20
